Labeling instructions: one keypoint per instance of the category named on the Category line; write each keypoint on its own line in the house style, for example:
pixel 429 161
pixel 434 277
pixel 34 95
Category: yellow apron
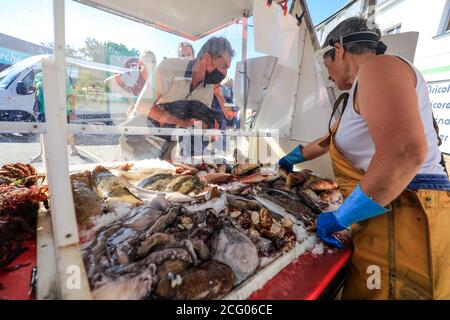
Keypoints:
pixel 410 244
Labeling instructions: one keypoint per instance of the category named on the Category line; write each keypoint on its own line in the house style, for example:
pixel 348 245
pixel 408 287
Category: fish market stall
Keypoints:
pixel 233 221
pixel 218 227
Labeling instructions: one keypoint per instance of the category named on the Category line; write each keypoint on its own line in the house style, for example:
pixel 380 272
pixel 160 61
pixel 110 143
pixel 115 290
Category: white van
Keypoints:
pixel 94 101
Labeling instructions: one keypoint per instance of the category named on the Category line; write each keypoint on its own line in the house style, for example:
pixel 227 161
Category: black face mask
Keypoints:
pixel 214 77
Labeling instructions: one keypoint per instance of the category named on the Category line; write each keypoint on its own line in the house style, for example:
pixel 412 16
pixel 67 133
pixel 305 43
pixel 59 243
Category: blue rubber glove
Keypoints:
pixel 293 157
pixel 357 207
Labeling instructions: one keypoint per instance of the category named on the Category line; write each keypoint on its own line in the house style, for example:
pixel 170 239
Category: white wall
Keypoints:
pixel 351 11
pixel 432 51
pixel 425 17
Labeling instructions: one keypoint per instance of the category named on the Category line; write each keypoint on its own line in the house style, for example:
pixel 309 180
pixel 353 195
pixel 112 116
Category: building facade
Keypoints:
pixel 13 50
pixel 432 20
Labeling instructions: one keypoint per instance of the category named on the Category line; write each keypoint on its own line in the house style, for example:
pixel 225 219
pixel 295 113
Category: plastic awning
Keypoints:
pixel 191 19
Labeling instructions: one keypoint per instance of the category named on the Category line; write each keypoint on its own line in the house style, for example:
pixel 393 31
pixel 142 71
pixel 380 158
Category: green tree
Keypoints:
pixel 70 51
pixel 100 52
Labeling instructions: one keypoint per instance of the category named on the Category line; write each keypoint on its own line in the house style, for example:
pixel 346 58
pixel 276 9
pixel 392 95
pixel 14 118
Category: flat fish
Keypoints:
pixel 108 185
pixel 149 181
pixel 177 183
pixel 216 178
pixel 148 195
pixel 88 204
pixel 258 177
pixel 242 169
pixel 237 251
pixel 291 203
pixel 312 200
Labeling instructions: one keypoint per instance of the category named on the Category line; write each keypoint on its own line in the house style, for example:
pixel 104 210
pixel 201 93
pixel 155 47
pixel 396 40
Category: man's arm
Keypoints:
pixel 388 102
pixel 226 110
pixel 149 108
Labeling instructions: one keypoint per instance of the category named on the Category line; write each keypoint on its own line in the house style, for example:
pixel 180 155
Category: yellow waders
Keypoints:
pixel 410 244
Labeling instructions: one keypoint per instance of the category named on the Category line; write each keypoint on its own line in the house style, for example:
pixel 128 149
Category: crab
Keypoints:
pixel 18 173
pixel 15 200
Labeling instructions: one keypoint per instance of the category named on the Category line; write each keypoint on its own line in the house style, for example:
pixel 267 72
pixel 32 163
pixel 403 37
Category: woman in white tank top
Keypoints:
pixel 387 163
pixel 355 143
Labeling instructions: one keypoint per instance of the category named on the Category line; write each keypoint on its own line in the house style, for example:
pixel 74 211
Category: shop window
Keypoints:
pixel 444 26
pixel 393 30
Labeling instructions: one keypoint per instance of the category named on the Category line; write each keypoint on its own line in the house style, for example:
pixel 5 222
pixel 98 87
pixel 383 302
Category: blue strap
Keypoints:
pixel 430 182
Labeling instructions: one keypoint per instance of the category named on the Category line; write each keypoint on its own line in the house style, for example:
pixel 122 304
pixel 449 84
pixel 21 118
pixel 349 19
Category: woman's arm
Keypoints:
pixel 300 154
pixel 316 148
pixel 387 100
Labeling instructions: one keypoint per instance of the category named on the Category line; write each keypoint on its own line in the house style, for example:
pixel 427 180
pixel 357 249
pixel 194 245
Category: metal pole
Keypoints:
pixel 71 273
pixel 107 91
pixel 371 10
pixel 309 25
pixel 244 60
pixel 315 41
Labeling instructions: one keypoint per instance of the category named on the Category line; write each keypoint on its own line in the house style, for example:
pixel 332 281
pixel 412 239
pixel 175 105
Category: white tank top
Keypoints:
pixel 356 145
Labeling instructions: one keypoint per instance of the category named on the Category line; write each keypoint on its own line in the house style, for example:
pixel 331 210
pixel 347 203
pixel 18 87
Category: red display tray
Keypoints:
pixel 16 284
pixel 305 278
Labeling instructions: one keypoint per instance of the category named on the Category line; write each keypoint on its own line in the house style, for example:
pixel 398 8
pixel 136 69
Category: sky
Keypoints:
pixel 31 20
pixel 322 9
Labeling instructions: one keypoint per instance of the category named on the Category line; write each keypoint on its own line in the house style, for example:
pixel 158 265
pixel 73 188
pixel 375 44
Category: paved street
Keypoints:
pixel 91 149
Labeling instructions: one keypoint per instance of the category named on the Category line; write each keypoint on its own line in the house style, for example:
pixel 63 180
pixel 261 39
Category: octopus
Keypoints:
pixel 198 228
pixel 154 242
pixel 160 242
pixel 128 287
pixel 116 242
pixel 163 221
pixel 266 232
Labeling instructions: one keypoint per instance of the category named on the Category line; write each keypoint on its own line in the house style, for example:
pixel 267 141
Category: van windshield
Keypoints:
pixel 7 76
